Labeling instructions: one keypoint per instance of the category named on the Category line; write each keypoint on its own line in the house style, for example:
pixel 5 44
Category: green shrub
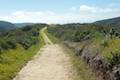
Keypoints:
pixel 4 45
pixel 104 43
pixel 78 32
pixel 11 44
pixel 114 57
pixel 26 36
pixel 0 50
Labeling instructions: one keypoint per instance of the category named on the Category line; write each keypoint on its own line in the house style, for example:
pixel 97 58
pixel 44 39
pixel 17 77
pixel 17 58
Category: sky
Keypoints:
pixel 58 11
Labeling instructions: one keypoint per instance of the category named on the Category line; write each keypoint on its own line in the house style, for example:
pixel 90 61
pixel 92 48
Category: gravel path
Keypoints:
pixel 51 63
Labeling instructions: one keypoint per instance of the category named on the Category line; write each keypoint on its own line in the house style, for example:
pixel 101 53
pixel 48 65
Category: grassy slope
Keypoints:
pixel 82 71
pixel 52 38
pixel 14 60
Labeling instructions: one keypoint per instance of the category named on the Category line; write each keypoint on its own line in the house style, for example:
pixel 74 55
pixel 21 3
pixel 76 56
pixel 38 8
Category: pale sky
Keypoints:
pixel 58 11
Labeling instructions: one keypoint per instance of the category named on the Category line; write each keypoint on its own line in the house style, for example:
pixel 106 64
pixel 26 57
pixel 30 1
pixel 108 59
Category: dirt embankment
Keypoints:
pixel 93 58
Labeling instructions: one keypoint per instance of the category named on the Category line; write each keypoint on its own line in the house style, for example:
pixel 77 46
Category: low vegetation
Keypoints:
pixel 51 37
pixel 103 37
pixel 17 47
pixel 80 69
pixel 97 45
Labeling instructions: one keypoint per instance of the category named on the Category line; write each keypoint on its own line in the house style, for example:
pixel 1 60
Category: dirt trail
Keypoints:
pixel 46 39
pixel 51 63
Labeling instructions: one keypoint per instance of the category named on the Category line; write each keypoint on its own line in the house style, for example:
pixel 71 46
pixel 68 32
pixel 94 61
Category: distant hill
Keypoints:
pixel 23 24
pixel 114 22
pixel 5 26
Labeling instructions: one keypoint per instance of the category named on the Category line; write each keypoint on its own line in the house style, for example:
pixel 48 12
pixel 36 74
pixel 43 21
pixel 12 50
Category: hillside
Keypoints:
pixel 97 45
pixel 17 47
pixel 23 24
pixel 5 26
pixel 114 22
